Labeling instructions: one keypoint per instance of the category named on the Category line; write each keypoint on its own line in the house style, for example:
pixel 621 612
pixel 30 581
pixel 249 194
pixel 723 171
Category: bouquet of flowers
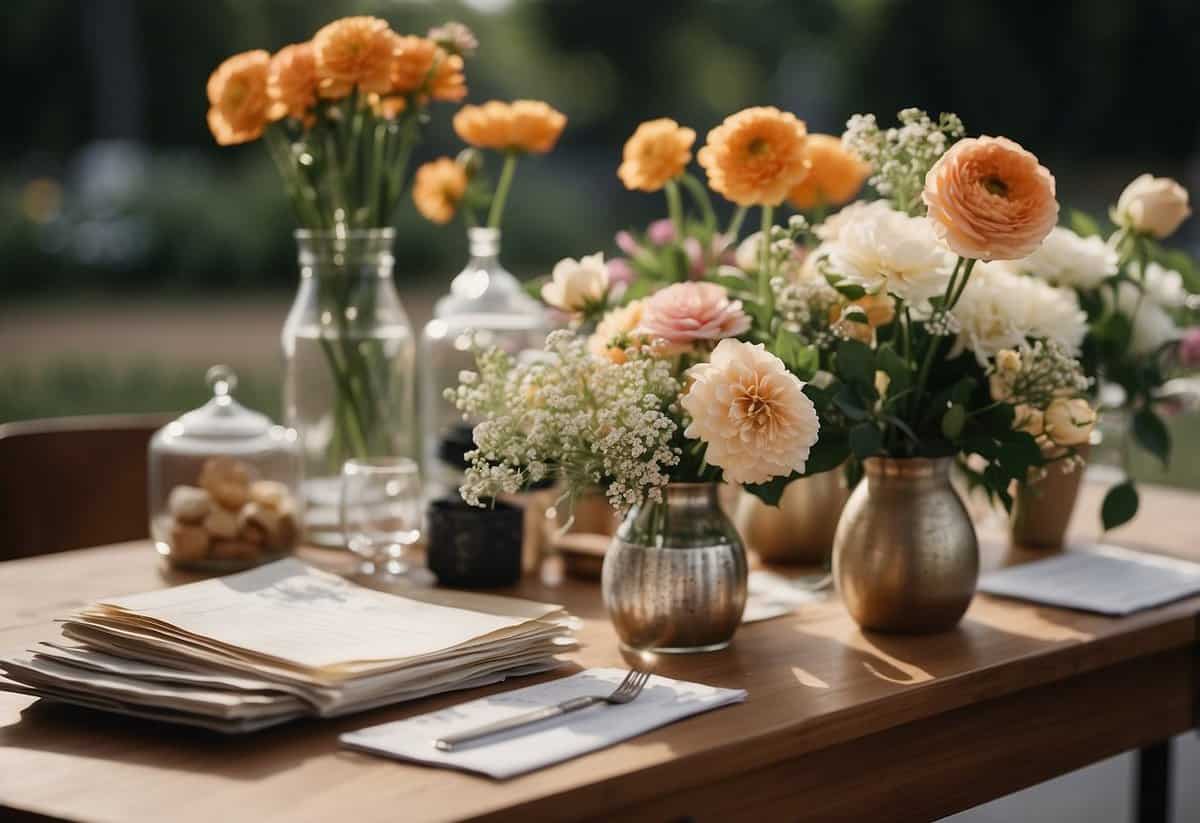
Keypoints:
pixel 1140 300
pixel 341 113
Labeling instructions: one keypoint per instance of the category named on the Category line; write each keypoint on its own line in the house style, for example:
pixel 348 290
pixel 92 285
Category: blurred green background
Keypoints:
pixel 134 252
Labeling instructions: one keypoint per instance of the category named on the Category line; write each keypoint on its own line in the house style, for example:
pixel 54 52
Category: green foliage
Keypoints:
pixel 1151 434
pixel 1119 506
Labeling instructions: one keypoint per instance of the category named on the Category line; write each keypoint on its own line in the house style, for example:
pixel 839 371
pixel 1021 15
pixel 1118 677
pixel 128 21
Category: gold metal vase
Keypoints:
pixel 800 529
pixel 905 554
pixel 1042 509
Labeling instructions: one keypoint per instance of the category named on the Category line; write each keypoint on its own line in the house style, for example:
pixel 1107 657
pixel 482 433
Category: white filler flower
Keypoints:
pixel 751 412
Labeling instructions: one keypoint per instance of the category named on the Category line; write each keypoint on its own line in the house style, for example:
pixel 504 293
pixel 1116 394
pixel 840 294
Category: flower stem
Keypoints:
pixel 735 223
pixel 675 210
pixel 764 255
pixel 702 200
pixel 502 187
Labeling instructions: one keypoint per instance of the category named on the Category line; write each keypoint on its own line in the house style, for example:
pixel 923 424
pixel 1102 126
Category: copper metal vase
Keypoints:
pixel 905 555
pixel 674 577
pixel 1042 509
pixel 800 529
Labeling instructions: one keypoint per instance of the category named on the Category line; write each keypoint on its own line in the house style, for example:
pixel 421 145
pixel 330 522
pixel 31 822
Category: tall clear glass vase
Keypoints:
pixel 485 303
pixel 349 365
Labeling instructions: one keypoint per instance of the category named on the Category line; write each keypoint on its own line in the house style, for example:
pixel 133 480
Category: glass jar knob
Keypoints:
pixel 223 381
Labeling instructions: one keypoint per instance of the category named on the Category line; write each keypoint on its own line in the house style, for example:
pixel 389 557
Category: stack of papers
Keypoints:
pixel 259 648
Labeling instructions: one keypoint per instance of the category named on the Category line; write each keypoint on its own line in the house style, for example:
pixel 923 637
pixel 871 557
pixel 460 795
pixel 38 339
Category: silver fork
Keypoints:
pixel 626 692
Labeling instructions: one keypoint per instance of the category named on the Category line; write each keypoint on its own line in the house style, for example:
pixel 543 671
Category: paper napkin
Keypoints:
pixel 1105 579
pixel 551 741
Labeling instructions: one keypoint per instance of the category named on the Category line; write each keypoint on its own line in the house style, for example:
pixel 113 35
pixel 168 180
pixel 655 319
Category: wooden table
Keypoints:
pixel 839 725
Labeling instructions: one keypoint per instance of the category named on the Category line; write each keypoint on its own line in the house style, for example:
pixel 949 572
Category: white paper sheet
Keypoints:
pixel 1105 579
pixel 773 595
pixel 505 755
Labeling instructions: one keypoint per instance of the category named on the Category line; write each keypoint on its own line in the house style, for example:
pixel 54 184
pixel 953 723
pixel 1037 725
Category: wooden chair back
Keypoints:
pixel 71 482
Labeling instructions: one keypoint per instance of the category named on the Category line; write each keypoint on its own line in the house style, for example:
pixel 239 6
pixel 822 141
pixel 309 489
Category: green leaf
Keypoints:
pixel 962 391
pixel 850 291
pixel 865 440
pixel 771 491
pixel 1083 224
pixel 832 449
pixel 850 402
pixel 1120 505
pixel 856 363
pixel 1151 434
pixel 732 284
pixel 953 421
pixel 801 359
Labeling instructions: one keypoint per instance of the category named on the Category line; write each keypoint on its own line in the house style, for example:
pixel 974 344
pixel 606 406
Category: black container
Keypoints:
pixel 473 547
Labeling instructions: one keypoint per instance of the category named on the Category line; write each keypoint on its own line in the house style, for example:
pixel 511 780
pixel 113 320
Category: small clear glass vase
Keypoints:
pixel 674 576
pixel 487 304
pixel 349 365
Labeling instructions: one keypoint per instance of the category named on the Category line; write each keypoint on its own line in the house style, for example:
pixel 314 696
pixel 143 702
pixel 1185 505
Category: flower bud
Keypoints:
pixel 1152 205
pixel 1069 421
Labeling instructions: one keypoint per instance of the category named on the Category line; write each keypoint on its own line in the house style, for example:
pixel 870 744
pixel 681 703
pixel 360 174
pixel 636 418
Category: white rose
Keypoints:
pixel 1066 259
pixel 748 252
pixel 1154 205
pixel 574 284
pixel 1069 421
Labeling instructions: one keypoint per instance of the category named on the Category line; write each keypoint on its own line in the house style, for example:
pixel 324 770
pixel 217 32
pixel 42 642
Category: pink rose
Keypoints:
pixel 1189 348
pixel 687 312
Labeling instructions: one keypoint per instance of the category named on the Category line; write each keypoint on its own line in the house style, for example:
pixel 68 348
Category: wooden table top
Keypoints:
pixel 819 691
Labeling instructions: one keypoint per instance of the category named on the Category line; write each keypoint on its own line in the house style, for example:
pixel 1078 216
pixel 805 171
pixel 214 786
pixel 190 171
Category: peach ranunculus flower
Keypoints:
pixel 237 97
pixel 421 66
pixel 292 83
pixel 835 174
pixel 755 157
pixel 684 313
pixel 990 199
pixel 1152 205
pixel 751 412
pixel 354 52
pixel 523 125
pixel 438 188
pixel 616 328
pixel 658 151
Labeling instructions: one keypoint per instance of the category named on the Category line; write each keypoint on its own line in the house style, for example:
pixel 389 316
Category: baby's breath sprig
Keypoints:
pixel 901 156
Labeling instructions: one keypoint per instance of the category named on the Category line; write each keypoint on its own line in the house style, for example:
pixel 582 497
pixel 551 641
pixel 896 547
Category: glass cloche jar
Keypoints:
pixel 485 304
pixel 224 483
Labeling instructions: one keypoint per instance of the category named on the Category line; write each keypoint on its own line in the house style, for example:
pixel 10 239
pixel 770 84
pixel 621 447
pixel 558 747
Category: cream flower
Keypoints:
pixel 751 412
pixel 684 313
pixel 576 284
pixel 617 324
pixel 1147 308
pixel 883 249
pixel 990 199
pixel 831 229
pixel 1153 205
pixel 1001 310
pixel 1066 259
pixel 1069 421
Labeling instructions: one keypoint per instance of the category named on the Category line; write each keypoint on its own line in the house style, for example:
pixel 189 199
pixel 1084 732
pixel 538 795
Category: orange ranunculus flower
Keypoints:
pixel 990 199
pixel 353 52
pixel 237 97
pixel 658 151
pixel 535 126
pixel 412 58
pixel 835 174
pixel 389 107
pixel 756 156
pixel 523 125
pixel 292 82
pixel 438 188
pixel 448 82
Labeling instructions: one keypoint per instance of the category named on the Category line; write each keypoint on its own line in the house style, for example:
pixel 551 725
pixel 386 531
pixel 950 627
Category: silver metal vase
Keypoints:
pixel 674 577
pixel 905 555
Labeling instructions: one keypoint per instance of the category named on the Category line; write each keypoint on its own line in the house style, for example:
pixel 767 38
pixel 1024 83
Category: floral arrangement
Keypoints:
pixel 1140 299
pixel 341 113
pixel 445 186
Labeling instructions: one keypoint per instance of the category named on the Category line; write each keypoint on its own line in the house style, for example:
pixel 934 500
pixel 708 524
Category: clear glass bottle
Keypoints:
pixel 485 302
pixel 224 484
pixel 349 356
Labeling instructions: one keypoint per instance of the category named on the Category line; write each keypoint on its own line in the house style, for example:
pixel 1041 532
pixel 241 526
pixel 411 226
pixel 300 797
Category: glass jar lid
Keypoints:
pixel 223 425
